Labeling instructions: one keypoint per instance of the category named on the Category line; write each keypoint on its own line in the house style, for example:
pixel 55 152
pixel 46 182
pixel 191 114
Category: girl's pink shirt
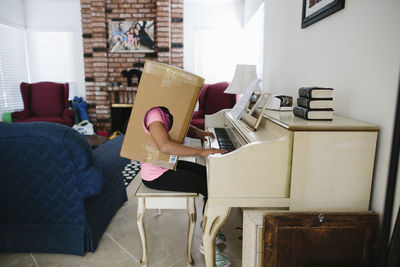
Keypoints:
pixel 131 39
pixel 150 172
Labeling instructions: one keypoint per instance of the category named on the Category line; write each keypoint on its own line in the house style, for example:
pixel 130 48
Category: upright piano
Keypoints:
pixel 288 163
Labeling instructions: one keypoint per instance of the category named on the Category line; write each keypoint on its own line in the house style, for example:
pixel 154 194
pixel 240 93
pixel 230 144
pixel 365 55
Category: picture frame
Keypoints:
pixel 131 36
pixel 315 10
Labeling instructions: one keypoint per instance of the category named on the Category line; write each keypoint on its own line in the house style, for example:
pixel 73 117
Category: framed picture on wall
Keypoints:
pixel 131 36
pixel 315 10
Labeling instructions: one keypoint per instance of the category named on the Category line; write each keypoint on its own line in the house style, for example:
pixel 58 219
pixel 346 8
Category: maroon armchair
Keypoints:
pixel 45 101
pixel 211 100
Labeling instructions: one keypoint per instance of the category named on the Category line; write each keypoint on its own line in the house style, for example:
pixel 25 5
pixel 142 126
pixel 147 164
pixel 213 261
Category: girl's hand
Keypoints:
pixel 210 134
pixel 197 133
pixel 209 151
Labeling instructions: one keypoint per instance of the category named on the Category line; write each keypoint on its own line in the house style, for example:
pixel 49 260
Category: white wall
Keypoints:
pixel 216 38
pixel 12 12
pixel 59 15
pixel 213 38
pixel 224 19
pixel 250 8
pixel 356 51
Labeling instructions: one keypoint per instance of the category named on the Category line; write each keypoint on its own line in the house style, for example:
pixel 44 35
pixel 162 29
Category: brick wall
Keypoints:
pixel 104 83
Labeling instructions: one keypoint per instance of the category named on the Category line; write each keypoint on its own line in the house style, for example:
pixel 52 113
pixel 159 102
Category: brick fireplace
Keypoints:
pixel 106 88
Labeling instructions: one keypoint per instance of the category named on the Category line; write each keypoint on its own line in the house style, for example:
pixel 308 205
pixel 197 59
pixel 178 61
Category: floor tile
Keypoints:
pixel 16 260
pixel 108 253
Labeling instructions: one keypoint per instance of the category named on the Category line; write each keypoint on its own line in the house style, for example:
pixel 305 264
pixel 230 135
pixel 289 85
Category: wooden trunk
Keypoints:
pixel 319 239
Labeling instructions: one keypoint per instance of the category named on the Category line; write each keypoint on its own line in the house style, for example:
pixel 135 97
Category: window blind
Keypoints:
pixel 13 68
pixel 51 56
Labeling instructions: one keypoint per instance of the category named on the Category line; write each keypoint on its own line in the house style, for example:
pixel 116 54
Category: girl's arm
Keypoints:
pixel 149 34
pixel 166 145
pixel 195 132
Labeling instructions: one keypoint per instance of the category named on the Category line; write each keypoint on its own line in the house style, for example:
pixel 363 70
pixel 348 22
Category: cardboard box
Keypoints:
pixel 161 85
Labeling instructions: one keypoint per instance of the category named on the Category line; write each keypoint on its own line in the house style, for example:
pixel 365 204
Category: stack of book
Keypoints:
pixel 314 103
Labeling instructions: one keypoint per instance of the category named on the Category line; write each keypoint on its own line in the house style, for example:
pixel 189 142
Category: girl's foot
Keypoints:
pixel 220 259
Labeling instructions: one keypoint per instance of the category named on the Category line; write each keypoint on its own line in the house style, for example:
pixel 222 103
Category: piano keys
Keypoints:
pixel 224 141
pixel 288 163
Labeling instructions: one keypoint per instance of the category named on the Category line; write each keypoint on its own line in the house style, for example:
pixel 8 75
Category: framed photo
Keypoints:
pixel 131 36
pixel 315 10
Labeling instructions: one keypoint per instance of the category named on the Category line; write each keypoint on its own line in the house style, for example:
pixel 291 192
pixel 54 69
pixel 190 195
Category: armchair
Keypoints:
pixel 45 101
pixel 211 100
pixel 57 195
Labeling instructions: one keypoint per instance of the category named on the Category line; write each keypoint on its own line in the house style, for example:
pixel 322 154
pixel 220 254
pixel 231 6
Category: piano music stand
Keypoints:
pixel 250 117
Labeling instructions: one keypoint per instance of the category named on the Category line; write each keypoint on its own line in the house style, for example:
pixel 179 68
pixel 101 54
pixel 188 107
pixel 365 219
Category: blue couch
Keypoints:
pixel 57 195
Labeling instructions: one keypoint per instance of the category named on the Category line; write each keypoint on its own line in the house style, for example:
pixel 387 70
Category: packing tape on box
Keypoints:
pixel 152 153
pixel 172 75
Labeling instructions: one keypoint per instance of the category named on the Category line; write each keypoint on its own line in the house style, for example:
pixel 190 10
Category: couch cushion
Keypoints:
pixel 47 99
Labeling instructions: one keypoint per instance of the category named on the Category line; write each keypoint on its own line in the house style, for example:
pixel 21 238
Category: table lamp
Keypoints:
pixel 244 75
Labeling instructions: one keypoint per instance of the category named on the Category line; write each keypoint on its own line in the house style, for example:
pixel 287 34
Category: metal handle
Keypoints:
pixel 321 217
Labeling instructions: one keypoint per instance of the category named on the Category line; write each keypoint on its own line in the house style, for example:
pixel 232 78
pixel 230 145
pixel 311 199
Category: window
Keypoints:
pixel 219 49
pixel 216 53
pixel 51 56
pixel 50 59
pixel 13 68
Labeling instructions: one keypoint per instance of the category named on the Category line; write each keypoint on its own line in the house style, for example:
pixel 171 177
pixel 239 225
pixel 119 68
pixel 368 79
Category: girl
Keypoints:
pixel 189 176
pixel 133 39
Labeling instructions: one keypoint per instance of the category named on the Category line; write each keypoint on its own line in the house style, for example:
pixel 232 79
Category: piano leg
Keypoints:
pixel 214 219
pixel 192 223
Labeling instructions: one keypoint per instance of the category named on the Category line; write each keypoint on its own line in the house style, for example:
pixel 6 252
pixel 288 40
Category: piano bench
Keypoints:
pixel 158 199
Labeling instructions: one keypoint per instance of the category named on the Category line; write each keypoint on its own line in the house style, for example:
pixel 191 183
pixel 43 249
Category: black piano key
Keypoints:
pixel 223 139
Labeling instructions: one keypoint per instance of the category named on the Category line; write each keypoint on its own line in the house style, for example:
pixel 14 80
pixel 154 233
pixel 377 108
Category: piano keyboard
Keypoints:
pixel 223 139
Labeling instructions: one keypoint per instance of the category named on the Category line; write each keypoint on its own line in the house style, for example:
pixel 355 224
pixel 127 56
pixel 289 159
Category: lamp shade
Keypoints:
pixel 244 75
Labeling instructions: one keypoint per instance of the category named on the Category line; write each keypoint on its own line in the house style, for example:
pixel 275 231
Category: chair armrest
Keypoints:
pixel 21 115
pixel 68 113
pixel 89 176
pixel 107 158
pixel 52 171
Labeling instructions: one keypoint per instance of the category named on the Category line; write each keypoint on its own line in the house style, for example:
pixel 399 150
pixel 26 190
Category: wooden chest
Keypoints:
pixel 319 239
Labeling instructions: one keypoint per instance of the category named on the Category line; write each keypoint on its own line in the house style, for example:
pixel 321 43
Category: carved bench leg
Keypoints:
pixel 214 219
pixel 140 223
pixel 192 223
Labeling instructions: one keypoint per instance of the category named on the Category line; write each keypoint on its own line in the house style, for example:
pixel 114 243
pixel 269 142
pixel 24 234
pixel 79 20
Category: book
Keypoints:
pixel 315 92
pixel 279 102
pixel 312 103
pixel 310 114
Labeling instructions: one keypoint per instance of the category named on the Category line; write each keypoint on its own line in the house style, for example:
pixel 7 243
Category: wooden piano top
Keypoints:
pixel 287 120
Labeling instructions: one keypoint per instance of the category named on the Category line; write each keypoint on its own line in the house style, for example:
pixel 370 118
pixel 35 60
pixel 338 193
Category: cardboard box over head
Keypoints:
pixel 165 86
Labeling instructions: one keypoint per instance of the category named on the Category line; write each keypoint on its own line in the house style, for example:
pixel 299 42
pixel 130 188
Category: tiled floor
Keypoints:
pixel 121 246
